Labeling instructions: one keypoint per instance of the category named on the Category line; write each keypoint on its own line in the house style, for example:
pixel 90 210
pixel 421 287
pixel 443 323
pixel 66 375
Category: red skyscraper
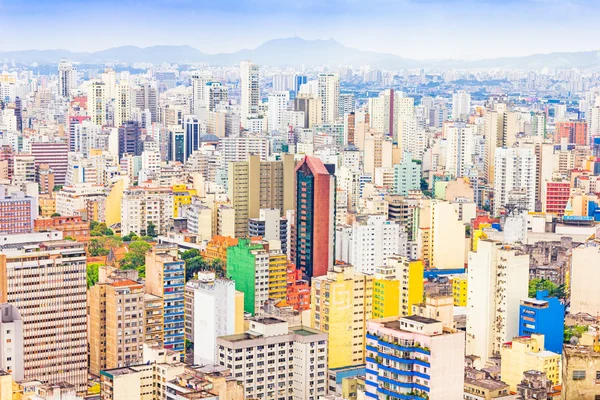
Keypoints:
pixel 315 217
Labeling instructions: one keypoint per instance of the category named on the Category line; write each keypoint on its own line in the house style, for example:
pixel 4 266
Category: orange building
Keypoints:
pixel 72 226
pixel 217 247
pixel 575 132
pixel 298 290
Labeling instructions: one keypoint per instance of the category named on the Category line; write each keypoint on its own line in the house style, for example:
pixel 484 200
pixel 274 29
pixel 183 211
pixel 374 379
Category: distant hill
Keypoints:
pixel 295 52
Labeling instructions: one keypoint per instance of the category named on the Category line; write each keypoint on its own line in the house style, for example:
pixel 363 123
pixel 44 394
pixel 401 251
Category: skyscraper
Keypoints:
pixel 461 105
pixel 277 105
pixel 44 278
pixel 130 139
pixel 122 104
pixel 249 82
pixel 515 169
pixel 67 78
pixel 315 217
pixel 165 277
pixel 96 104
pixel 328 90
pixel 199 95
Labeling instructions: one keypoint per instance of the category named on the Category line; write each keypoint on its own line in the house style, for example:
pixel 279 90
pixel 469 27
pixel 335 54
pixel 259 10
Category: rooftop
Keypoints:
pixel 268 320
pixel 489 384
pixel 422 320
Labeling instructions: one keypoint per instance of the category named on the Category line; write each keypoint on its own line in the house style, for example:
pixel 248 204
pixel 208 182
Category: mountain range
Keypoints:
pixel 296 52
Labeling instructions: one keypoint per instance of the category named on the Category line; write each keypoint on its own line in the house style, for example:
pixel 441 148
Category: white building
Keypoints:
pixel 122 104
pixel 514 170
pixel 461 105
pixel 96 104
pixel 67 79
pixel 213 315
pixel 200 80
pixel 328 89
pixel 434 355
pixel 373 239
pixel 249 84
pixel 199 219
pixel 238 148
pixel 70 200
pixel 11 341
pixel 585 296
pixel 277 361
pixel 278 102
pixel 498 279
pixel 460 147
pixel 142 205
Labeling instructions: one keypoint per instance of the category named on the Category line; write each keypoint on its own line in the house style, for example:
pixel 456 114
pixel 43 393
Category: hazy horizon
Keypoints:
pixel 417 29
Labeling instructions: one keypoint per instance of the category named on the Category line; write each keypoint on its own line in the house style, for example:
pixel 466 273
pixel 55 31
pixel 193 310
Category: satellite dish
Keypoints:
pixel 574 340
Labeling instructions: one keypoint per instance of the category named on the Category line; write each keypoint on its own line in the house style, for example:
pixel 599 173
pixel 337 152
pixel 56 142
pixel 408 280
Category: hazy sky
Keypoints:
pixel 436 29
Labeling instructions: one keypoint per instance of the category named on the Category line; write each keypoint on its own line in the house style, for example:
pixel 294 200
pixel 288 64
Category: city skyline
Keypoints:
pixel 430 29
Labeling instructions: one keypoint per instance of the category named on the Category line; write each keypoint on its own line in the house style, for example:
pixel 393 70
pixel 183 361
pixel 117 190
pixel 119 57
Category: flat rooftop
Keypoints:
pixel 422 320
pixel 268 320
pixel 489 384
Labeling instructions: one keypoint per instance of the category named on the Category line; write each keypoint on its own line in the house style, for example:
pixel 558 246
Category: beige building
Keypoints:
pixel 44 277
pixel 585 296
pixel 580 373
pixel 256 184
pixel 524 354
pixel 377 153
pixel 145 381
pixel 116 324
pixel 441 235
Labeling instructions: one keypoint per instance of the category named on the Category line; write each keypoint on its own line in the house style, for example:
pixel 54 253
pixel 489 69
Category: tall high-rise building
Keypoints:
pixel 145 97
pixel 200 80
pixel 122 104
pixel 116 324
pixel 461 105
pixel 96 103
pixel 248 267
pixel 214 310
pixel 165 277
pixel 315 217
pixel 130 140
pixel 278 102
pixel 310 105
pixel 575 132
pixel 515 169
pixel 250 91
pixel 216 96
pixel 55 155
pixel 254 185
pixel 328 89
pixel 11 343
pixel 341 306
pixel 498 279
pixel 192 133
pixel 67 78
pixel 45 279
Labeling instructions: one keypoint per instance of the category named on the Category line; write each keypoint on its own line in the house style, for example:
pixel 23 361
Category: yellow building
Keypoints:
pixel 277 276
pixel 182 196
pixel 239 313
pixel 459 290
pixel 479 234
pixel 524 354
pixel 341 304
pixel 397 287
pixel 47 205
pixel 112 211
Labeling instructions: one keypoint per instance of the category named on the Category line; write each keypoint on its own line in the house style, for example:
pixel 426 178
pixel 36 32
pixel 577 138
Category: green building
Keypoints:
pixel 248 267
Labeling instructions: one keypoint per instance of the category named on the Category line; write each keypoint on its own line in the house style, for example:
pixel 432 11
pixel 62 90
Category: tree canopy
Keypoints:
pixel 136 257
pixel 553 289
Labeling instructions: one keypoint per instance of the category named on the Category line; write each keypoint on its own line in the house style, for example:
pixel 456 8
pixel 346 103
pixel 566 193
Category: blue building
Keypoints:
pixel 543 315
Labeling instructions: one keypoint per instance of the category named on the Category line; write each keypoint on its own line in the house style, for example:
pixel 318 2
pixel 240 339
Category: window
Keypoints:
pixel 578 375
pixel 597 375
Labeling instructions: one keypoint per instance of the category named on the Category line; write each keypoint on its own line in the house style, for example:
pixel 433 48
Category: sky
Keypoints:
pixel 420 29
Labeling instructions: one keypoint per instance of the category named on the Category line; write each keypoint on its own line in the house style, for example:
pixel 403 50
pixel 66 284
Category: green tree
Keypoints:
pixel 553 289
pixel 55 214
pixel 57 188
pixel 189 345
pixel 130 237
pixel 191 253
pixel 194 265
pixel 92 274
pixel 71 238
pixel 136 257
pixel 424 185
pixel 575 330
pixel 95 248
pixel 151 231
pixel 219 267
